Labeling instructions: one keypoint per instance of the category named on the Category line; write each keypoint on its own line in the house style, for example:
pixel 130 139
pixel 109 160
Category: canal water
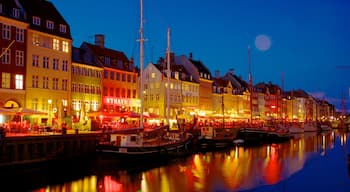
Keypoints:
pixel 309 162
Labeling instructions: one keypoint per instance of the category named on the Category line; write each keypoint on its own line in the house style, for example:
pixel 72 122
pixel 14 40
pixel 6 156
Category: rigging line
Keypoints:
pixel 8 47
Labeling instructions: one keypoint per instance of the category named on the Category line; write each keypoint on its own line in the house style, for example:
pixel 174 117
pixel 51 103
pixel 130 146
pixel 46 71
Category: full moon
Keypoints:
pixel 262 42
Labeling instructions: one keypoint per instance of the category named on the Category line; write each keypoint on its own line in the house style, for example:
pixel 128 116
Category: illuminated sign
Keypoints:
pixel 121 101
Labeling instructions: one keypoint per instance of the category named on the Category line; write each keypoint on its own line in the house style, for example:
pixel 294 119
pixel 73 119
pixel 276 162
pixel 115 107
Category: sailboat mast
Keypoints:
pixel 250 86
pixel 168 77
pixel 141 63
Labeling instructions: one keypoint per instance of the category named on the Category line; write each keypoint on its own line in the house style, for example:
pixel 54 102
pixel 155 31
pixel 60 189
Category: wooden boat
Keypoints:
pixel 212 138
pixel 135 146
pixel 262 135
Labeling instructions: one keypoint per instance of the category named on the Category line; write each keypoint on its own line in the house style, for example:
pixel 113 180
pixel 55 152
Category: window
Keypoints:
pixel 56 44
pixel 55 64
pixel 111 92
pixel 117 76
pixel 87 89
pixel 36 20
pixel 107 60
pixel 6 31
pixel 105 74
pixel 0 8
pixel 129 78
pixel 19 35
pixel 64 84
pixel 55 83
pixel 19 81
pixel 111 75
pixel 15 12
pixel 65 47
pixel 35 81
pixel 46 62
pixel 35 103
pixel 49 24
pixel 6 79
pixel 63 28
pixel 6 59
pixel 35 60
pixel 64 65
pixel 19 58
pixel 123 77
pixel 45 82
pixel 36 40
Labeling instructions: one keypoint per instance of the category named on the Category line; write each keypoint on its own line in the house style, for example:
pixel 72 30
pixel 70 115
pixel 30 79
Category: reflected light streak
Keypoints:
pixel 144 184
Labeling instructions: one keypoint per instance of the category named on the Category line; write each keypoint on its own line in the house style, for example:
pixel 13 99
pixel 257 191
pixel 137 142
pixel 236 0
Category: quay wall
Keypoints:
pixel 19 150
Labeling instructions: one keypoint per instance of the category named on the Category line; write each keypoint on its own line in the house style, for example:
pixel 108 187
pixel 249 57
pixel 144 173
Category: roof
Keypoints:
pixel 7 10
pixel 118 59
pixel 201 67
pixel 77 57
pixel 45 10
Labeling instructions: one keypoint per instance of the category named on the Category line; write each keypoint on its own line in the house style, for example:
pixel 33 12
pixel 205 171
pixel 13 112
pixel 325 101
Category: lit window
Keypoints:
pixel 19 58
pixel 56 44
pixel 19 81
pixel 6 57
pixel 6 79
pixel 36 40
pixel 153 75
pixel 15 12
pixel 65 47
pixel 49 24
pixel 6 31
pixel 36 20
pixel 63 28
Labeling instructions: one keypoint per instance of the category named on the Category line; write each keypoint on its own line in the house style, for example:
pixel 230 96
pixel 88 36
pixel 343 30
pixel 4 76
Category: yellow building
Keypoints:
pixel 86 90
pixel 183 91
pixel 48 61
pixel 201 75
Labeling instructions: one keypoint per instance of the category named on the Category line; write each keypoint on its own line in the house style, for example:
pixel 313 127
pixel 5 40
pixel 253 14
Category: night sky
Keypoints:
pixel 304 44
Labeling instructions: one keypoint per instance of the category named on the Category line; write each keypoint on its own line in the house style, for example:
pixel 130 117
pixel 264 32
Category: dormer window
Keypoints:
pixel 107 60
pixel 49 24
pixel 15 12
pixel 63 28
pixel 36 20
pixel 176 75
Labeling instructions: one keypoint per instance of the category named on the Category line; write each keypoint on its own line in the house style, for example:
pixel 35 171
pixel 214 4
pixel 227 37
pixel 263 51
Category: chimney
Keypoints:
pixel 217 74
pixel 100 40
pixel 190 56
pixel 232 71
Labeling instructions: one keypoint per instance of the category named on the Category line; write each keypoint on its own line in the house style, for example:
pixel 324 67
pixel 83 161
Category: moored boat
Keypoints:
pixel 135 146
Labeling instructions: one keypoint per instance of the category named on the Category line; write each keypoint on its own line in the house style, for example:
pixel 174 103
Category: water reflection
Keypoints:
pixel 232 170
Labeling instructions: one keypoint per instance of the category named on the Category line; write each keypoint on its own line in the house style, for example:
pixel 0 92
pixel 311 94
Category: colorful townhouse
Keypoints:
pixel 86 90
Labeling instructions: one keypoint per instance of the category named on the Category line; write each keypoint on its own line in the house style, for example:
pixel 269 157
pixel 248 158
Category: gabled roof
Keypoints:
pixel 46 11
pixel 297 93
pixel 7 10
pixel 201 67
pixel 118 59
pixel 220 82
pixel 77 57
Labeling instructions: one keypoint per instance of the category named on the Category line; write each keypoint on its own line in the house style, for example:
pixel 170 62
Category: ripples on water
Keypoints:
pixel 309 162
